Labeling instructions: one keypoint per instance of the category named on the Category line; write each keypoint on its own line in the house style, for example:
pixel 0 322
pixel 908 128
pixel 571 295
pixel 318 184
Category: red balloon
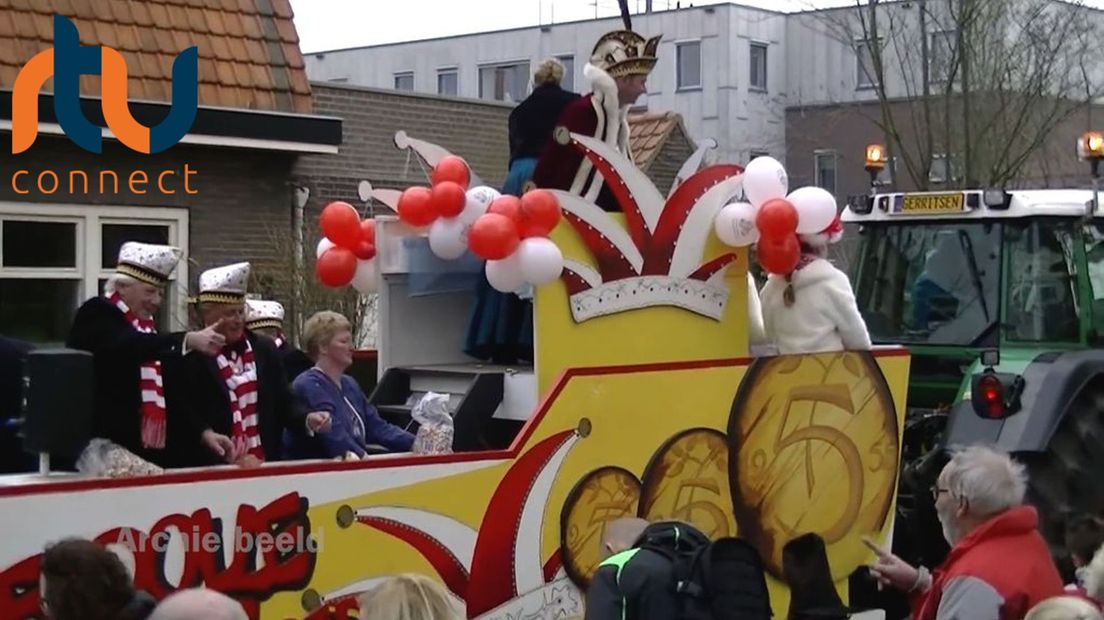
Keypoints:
pixel 336 267
pixel 341 224
pixel 416 207
pixel 493 236
pixel 777 218
pixel 448 198
pixel 368 231
pixel 779 256
pixel 507 205
pixel 451 168
pixel 365 250
pixel 540 212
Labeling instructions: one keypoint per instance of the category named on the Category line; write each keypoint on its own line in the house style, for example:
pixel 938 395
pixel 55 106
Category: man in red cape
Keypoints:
pixel 617 71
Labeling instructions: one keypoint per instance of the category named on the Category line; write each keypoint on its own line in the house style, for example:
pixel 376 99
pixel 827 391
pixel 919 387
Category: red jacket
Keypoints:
pixel 558 163
pixel 1000 571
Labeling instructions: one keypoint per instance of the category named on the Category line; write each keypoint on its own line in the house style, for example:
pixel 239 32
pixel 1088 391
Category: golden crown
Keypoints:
pixel 624 52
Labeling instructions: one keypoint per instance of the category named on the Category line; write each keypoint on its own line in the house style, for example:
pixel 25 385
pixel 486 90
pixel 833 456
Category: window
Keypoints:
pixel 941 55
pixel 886 175
pixel 507 82
pixel 1094 254
pixel 866 75
pixel 688 65
pixel 930 283
pixel 758 75
pixel 944 169
pixel 448 82
pixel 568 62
pixel 826 170
pixel 404 81
pixel 52 258
pixel 1042 288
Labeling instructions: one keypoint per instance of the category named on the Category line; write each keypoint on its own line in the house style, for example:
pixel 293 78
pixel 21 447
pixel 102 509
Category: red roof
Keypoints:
pixel 249 55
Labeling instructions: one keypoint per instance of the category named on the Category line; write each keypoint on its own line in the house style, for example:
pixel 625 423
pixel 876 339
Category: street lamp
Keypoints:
pixel 1091 147
pixel 875 162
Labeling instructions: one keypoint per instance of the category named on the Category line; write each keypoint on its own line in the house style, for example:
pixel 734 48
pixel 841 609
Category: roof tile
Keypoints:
pixel 256 52
pixel 44 27
pixel 299 84
pixel 159 13
pixel 178 18
pixel 238 51
pixel 141 13
pixel 121 12
pixel 225 71
pixel 233 24
pixel 7 26
pixel 196 22
pixel 262 78
pixel 218 47
pixel 292 56
pixel 128 38
pixel 287 31
pixel 282 8
pixel 251 25
pixel 247 7
pixel 214 22
pixel 242 74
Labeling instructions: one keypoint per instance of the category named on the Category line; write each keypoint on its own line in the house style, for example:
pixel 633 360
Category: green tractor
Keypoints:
pixel 999 295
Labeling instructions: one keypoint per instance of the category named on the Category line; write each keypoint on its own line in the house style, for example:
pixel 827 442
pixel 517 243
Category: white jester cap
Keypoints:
pixel 262 313
pixel 224 285
pixel 146 262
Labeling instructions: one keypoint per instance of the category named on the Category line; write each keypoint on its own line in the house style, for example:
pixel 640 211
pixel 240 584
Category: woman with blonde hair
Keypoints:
pixel 328 340
pixel 408 597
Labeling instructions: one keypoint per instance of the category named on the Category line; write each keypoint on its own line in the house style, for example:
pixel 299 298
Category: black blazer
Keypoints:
pixel 532 121
pixel 208 404
pixel 295 361
pixel 118 353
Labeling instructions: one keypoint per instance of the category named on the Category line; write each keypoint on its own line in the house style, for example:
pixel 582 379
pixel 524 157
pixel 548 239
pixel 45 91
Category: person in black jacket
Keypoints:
pixel 133 364
pixel 239 402
pixel 13 353
pixel 267 319
pixel 631 583
pixel 532 121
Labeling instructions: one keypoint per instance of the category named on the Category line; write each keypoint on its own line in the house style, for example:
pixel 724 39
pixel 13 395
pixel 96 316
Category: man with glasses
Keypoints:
pixel 999 565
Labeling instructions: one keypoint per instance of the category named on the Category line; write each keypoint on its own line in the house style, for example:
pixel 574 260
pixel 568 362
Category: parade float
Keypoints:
pixel 647 403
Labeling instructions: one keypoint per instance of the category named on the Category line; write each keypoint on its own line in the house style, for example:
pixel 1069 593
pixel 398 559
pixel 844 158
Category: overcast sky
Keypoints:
pixel 334 24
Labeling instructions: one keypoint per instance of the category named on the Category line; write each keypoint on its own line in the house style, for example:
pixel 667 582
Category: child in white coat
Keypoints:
pixel 813 308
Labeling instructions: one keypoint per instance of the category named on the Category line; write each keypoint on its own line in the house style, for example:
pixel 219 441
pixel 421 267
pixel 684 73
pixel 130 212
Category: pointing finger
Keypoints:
pixel 875 547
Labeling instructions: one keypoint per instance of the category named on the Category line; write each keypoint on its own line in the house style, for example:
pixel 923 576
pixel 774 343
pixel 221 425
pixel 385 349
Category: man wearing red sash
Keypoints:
pixel 239 401
pixel 267 319
pixel 617 71
pixel 118 329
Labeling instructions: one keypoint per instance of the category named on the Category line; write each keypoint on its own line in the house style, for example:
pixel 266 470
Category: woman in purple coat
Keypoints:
pixel 356 424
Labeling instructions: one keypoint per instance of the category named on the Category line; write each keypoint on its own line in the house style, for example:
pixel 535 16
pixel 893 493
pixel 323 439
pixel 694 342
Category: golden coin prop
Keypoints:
pixel 605 494
pixel 814 448
pixel 687 480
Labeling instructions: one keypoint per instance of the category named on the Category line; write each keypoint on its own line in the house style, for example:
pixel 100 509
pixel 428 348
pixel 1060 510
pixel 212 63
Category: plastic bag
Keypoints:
pixel 435 430
pixel 104 459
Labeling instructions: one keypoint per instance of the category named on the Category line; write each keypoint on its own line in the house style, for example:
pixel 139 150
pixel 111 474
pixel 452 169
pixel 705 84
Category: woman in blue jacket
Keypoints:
pixel 328 339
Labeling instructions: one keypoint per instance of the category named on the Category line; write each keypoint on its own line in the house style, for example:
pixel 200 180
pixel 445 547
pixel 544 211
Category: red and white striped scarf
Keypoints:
pixel 241 382
pixel 149 383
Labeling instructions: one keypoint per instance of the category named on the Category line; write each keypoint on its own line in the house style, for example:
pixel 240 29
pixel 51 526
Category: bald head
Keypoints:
pixel 620 534
pixel 199 604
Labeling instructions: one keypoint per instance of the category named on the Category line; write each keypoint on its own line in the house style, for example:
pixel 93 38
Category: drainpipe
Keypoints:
pixel 300 196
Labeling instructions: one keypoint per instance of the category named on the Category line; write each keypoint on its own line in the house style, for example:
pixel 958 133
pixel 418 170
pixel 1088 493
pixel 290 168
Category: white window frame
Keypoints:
pixel 504 63
pixel 817 154
pixel 679 45
pixel 89 219
pixel 401 74
pixel 453 70
pixel 864 81
pixel 561 58
pixel 765 46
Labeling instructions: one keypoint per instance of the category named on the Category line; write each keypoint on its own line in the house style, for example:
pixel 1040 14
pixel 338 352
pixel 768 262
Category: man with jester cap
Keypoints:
pixel 266 318
pixel 617 71
pixel 132 362
pixel 239 402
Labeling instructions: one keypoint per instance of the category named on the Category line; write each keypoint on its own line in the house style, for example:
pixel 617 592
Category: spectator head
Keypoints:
pixel 621 534
pixel 976 485
pixel 408 597
pixel 83 580
pixel 1084 535
pixel 550 71
pixel 199 604
pixel 1064 608
pixel 328 336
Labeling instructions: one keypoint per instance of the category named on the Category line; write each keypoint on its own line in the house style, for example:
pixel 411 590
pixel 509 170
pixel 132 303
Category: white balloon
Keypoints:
pixel 541 260
pixel 364 280
pixel 448 238
pixel 505 275
pixel 479 198
pixel 816 208
pixel 323 245
pixel 764 179
pixel 735 225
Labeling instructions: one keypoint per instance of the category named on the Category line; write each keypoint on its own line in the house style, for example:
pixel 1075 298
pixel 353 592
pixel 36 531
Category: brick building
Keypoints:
pixel 64 211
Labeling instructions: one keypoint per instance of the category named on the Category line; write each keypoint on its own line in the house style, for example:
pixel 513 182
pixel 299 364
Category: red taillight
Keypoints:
pixel 992 393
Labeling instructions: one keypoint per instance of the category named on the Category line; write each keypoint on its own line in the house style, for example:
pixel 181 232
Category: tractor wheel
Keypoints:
pixel 1065 479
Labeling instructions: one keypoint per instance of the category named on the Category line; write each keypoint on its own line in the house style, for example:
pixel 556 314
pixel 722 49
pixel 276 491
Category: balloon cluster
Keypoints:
pixel 771 219
pixel 512 236
pixel 347 248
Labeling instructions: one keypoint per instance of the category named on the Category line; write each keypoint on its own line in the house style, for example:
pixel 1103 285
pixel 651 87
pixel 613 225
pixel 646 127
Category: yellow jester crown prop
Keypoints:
pixel 624 52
